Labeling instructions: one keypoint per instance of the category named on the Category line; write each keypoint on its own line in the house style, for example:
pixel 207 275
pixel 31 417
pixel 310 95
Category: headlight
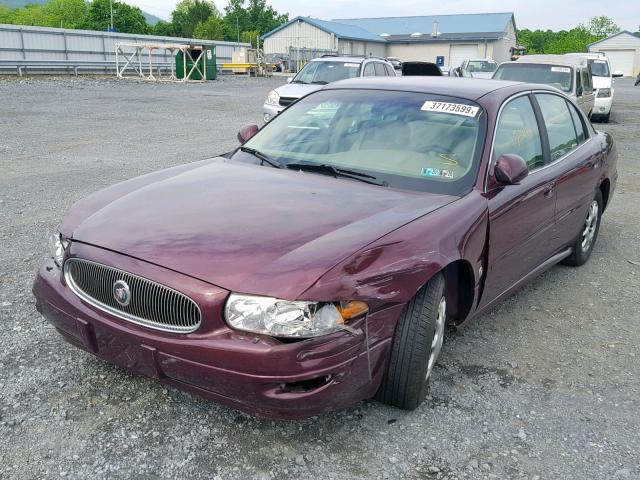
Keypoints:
pixel 57 246
pixel 604 92
pixel 273 98
pixel 282 318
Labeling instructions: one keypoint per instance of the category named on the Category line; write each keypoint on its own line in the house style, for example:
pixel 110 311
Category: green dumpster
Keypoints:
pixel 206 64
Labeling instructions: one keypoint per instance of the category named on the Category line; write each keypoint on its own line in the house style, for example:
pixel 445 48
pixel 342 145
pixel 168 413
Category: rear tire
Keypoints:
pixel 415 348
pixel 588 234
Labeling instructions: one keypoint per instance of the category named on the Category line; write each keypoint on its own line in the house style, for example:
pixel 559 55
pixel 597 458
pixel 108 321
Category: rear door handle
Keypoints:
pixel 549 190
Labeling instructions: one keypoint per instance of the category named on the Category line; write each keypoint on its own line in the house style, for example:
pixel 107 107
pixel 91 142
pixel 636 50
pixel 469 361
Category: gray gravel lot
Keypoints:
pixel 545 386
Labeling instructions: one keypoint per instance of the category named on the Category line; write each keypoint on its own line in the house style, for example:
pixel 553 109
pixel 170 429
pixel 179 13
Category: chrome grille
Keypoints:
pixel 151 304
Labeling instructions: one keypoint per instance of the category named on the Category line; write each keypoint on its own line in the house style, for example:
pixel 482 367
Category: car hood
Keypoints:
pixel 602 82
pixel 244 227
pixel 297 90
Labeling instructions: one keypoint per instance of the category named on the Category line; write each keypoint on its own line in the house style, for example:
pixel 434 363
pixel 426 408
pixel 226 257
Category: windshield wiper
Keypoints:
pixel 336 172
pixel 299 81
pixel 262 157
pixel 319 82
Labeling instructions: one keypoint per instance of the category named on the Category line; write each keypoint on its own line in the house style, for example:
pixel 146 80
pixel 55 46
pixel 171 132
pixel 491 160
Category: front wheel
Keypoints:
pixel 416 347
pixel 588 234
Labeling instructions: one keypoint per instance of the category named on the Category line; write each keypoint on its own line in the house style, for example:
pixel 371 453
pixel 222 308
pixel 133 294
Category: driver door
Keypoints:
pixel 521 217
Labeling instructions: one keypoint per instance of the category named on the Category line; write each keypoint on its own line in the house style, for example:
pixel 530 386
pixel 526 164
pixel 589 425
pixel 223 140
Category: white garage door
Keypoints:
pixel 460 52
pixel 621 60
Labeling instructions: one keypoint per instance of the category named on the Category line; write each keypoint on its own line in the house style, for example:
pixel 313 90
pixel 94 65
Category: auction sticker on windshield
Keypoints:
pixel 561 69
pixel 446 107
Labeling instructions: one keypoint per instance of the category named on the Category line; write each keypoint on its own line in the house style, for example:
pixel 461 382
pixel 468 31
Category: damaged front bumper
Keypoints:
pixel 253 373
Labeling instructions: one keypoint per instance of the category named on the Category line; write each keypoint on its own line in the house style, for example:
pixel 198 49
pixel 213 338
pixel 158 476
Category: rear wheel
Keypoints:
pixel 416 346
pixel 588 234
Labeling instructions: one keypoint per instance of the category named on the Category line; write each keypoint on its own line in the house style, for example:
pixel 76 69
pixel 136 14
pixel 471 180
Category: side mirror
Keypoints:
pixel 510 169
pixel 247 132
pixel 289 79
pixel 579 91
pixel 617 74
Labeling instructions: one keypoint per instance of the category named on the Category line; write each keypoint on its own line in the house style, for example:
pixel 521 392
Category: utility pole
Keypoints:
pixel 111 8
pixel 238 28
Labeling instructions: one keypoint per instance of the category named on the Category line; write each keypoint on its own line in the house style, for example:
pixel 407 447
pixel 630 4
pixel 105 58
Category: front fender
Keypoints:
pixel 394 268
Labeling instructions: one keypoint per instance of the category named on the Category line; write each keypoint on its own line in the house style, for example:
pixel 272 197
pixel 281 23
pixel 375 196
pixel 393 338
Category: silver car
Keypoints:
pixel 319 72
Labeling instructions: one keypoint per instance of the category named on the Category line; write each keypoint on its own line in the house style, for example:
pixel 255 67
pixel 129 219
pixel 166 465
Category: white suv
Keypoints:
pixel 319 72
pixel 602 84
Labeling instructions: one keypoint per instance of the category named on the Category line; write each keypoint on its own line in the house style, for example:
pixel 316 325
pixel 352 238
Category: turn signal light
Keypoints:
pixel 352 309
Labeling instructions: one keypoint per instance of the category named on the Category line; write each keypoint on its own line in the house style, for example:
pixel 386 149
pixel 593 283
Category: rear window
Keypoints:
pixel 555 76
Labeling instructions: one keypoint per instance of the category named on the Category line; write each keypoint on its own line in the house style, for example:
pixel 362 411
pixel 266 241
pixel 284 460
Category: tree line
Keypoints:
pixel 565 41
pixel 243 20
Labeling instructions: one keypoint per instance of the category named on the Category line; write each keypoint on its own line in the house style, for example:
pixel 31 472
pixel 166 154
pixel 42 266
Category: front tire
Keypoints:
pixel 416 346
pixel 588 234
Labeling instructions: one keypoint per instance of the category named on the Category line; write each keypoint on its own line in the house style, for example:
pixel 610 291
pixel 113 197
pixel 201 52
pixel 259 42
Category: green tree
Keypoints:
pixel 250 37
pixel 126 19
pixel 189 13
pixel 251 16
pixel 6 14
pixel 165 29
pixel 211 29
pixel 33 15
pixel 601 26
pixel 65 13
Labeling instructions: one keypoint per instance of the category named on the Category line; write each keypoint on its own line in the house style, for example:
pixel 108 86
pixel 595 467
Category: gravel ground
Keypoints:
pixel 545 386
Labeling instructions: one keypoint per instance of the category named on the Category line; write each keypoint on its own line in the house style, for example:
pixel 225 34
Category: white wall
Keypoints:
pixel 299 35
pixel 624 41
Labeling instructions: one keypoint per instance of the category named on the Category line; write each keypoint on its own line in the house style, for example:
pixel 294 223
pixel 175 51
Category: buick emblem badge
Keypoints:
pixel 121 293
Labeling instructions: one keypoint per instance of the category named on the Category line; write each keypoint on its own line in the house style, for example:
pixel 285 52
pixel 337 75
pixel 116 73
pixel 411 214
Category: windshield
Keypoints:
pixel 484 66
pixel 599 68
pixel 556 76
pixel 406 140
pixel 327 72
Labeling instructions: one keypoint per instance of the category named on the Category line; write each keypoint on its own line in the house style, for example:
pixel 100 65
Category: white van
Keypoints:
pixel 602 83
pixel 569 74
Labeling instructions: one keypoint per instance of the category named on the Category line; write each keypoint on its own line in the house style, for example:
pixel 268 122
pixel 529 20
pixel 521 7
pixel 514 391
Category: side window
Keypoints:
pixel 579 125
pixel 380 71
pixel 517 133
pixel 369 70
pixel 586 81
pixel 390 71
pixel 559 123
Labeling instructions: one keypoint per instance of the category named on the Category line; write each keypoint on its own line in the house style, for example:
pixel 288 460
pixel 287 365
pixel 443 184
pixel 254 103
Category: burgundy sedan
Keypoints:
pixel 319 263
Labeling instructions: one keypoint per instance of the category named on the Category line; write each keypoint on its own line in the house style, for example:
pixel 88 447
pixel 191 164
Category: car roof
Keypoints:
pixel 564 60
pixel 331 58
pixel 470 88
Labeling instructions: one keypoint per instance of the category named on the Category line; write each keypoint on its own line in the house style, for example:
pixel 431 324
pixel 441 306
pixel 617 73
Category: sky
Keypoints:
pixel 533 14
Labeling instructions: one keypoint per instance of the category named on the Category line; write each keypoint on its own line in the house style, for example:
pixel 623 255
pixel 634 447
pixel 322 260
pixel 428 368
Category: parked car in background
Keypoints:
pixel 603 82
pixel 319 263
pixel 476 68
pixel 319 72
pixel 423 69
pixel 395 62
pixel 571 75
pixel 445 70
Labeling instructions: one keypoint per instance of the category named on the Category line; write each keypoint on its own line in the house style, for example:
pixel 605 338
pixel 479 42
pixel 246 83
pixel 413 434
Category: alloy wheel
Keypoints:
pixel 438 335
pixel 590 226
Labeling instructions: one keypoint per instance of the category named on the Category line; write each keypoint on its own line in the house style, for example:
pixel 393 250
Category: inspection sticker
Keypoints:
pixel 436 172
pixel 446 107
pixel 561 69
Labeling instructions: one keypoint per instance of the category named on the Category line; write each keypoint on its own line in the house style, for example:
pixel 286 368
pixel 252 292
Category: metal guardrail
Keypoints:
pixel 23 66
